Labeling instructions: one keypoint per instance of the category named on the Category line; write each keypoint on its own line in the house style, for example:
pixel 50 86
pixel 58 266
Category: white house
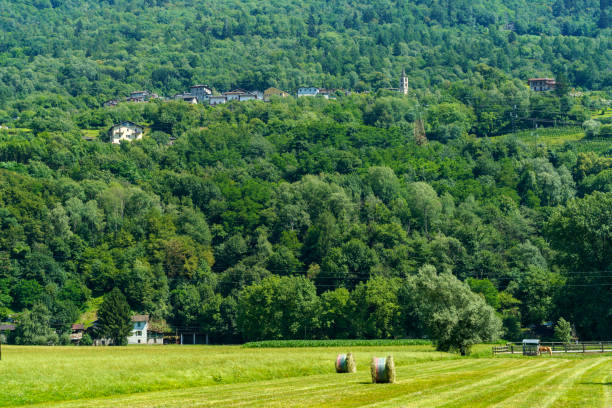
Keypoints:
pixel 216 100
pixel 236 95
pixel 127 131
pixel 248 96
pixel 202 92
pixel 307 91
pixel 139 332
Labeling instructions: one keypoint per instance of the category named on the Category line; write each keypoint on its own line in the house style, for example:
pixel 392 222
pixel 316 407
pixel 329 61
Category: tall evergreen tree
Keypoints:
pixel 114 318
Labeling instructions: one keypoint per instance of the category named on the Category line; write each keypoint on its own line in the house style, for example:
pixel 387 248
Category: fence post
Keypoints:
pixel 565 347
pixel 512 348
pixel 583 348
pixel 602 347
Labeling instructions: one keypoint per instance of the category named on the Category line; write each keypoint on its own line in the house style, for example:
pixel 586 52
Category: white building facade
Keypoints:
pixel 139 331
pixel 542 84
pixel 307 91
pixel 126 131
pixel 217 100
pixel 403 85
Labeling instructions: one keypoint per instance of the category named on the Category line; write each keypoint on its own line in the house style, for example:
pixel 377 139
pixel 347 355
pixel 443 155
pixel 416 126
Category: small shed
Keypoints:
pixel 531 347
pixel 77 330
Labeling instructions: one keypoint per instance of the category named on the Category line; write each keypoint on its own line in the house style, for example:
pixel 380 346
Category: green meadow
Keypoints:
pixel 548 136
pixel 234 376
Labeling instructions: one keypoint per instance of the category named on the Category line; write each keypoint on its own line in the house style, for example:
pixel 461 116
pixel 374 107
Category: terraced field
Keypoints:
pixel 238 377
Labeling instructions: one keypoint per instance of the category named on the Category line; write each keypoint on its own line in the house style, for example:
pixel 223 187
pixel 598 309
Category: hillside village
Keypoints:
pixel 204 94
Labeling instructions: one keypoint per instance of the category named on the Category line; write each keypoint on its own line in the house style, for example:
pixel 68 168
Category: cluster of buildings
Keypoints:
pixel 203 94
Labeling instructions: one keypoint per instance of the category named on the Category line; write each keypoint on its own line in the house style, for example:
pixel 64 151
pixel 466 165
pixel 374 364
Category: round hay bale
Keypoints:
pixel 345 363
pixel 383 370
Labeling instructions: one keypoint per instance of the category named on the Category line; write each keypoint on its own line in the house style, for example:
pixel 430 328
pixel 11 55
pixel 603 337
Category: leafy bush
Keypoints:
pixel 86 340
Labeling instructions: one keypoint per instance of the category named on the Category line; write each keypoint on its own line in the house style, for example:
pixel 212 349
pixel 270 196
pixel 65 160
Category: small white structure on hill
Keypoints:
pixel 403 85
pixel 307 91
pixel 239 95
pixel 127 131
pixel 216 100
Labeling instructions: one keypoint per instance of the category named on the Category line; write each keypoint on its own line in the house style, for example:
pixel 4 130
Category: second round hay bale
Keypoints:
pixel 383 370
pixel 345 363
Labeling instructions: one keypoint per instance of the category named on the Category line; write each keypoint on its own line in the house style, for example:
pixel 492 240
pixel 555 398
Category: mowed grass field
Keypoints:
pixel 233 376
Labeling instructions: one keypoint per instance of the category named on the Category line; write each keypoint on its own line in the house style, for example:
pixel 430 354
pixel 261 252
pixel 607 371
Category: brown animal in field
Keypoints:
pixel 545 350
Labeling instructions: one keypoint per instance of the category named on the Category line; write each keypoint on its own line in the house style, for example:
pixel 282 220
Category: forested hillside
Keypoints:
pixel 94 50
pixel 305 218
pixel 301 188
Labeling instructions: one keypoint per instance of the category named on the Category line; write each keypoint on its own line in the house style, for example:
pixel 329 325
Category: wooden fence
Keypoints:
pixel 557 347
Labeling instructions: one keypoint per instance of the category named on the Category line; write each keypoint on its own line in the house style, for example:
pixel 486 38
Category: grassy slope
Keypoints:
pixel 548 136
pixel 234 376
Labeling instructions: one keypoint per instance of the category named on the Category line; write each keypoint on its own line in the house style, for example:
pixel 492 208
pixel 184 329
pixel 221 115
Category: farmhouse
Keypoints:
pixel 127 131
pixel 139 331
pixel 144 332
pixel 202 92
pixel 239 95
pixel 216 99
pixel 542 84
pixel 138 96
pixel 76 332
pixel 270 92
pixel 141 96
pixel 7 327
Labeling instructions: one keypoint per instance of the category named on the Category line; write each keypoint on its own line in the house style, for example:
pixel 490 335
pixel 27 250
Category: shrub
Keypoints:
pixel 605 131
pixel 591 128
pixel 86 340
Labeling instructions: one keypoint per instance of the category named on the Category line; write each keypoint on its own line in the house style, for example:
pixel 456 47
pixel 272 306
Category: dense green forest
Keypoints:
pixel 303 189
pixel 306 218
pixel 90 51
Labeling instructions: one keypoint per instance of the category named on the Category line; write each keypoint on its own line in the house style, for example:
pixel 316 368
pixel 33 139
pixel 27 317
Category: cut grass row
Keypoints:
pixel 336 343
pixel 500 382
